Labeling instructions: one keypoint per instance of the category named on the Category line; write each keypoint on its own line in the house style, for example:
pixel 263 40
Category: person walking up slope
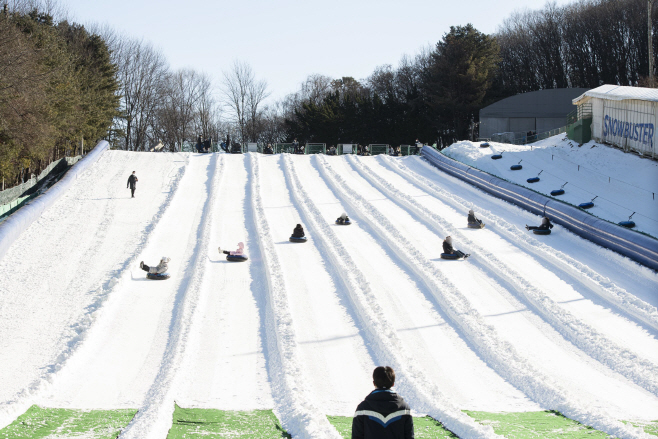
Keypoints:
pixel 132 184
pixel 383 414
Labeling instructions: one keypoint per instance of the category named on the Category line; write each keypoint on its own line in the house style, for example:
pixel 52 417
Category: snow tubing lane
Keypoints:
pixel 639 247
pixel 475 226
pixel 236 258
pixel 154 276
pixel 449 256
pixel 302 239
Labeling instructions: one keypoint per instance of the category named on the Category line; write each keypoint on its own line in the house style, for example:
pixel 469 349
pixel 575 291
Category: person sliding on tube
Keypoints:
pixel 472 219
pixel 343 219
pixel 238 252
pixel 159 269
pixel 545 225
pixel 448 249
pixel 298 232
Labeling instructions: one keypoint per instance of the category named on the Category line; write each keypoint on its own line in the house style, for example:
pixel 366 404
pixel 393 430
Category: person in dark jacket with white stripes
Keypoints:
pixel 383 414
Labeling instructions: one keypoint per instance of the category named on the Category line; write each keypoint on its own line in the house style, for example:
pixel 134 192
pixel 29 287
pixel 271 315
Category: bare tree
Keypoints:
pixel 142 71
pixel 177 117
pixel 243 94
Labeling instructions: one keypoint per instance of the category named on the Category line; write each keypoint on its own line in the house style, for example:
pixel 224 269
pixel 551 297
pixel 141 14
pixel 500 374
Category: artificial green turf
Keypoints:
pixel 210 423
pixel 49 423
pixel 424 428
pixel 38 422
pixel 547 424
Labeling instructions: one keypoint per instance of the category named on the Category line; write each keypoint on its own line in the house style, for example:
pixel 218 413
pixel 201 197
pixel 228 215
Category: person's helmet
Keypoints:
pixel 449 240
pixel 545 220
pixel 343 215
pixel 240 245
pixel 471 212
pixel 165 259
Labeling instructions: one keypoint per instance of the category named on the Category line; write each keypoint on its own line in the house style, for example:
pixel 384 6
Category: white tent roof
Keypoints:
pixel 619 93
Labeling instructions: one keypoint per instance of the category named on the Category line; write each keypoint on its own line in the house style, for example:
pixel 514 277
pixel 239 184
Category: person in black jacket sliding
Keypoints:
pixel 383 414
pixel 132 183
pixel 450 250
pixel 545 225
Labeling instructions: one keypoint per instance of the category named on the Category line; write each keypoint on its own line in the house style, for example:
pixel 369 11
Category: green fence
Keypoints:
pixel 315 148
pixel 283 147
pixel 378 148
pixel 346 148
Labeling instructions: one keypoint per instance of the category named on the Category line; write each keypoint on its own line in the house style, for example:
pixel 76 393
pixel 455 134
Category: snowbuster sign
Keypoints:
pixel 622 132
pixel 622 116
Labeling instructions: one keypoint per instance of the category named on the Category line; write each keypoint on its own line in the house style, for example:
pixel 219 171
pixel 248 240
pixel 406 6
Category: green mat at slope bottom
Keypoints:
pixel 210 423
pixel 38 422
pixel 424 427
pixel 548 424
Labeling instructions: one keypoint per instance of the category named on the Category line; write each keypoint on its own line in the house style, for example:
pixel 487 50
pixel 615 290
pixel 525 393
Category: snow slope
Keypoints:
pixel 524 324
pixel 623 183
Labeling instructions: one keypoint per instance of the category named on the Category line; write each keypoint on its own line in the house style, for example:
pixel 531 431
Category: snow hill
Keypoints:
pixel 623 183
pixel 526 323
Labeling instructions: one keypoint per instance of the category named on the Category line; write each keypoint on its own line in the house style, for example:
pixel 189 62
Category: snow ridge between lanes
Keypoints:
pixel 17 405
pixel 496 352
pixel 153 420
pixel 298 414
pixel 600 285
pixel 417 388
pixel 629 364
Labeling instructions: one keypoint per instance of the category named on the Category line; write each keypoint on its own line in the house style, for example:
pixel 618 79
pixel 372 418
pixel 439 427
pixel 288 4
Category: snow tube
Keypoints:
pixel 630 224
pixel 496 156
pixel 156 276
pixel 236 258
pixel 533 180
pixel 450 256
pixel 542 232
pixel 516 167
pixel 484 145
pixel 587 205
pixel 476 225
pixel 346 223
pixel 295 239
pixel 557 192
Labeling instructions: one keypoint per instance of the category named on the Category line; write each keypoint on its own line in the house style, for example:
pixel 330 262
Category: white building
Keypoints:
pixel 622 116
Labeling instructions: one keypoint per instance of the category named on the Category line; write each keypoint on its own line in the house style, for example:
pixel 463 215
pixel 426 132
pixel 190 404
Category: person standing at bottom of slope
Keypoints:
pixel 383 414
pixel 132 184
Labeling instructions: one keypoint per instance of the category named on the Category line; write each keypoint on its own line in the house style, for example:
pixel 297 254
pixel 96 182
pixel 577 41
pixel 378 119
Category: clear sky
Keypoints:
pixel 286 40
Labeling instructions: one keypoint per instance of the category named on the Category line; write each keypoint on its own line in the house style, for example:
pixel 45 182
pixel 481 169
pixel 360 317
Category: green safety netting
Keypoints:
pixel 38 422
pixel 206 423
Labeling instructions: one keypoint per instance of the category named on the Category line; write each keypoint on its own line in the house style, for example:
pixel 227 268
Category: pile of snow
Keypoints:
pixel 623 184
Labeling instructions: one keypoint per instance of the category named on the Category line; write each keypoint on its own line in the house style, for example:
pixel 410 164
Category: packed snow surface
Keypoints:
pixel 624 184
pixel 526 323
